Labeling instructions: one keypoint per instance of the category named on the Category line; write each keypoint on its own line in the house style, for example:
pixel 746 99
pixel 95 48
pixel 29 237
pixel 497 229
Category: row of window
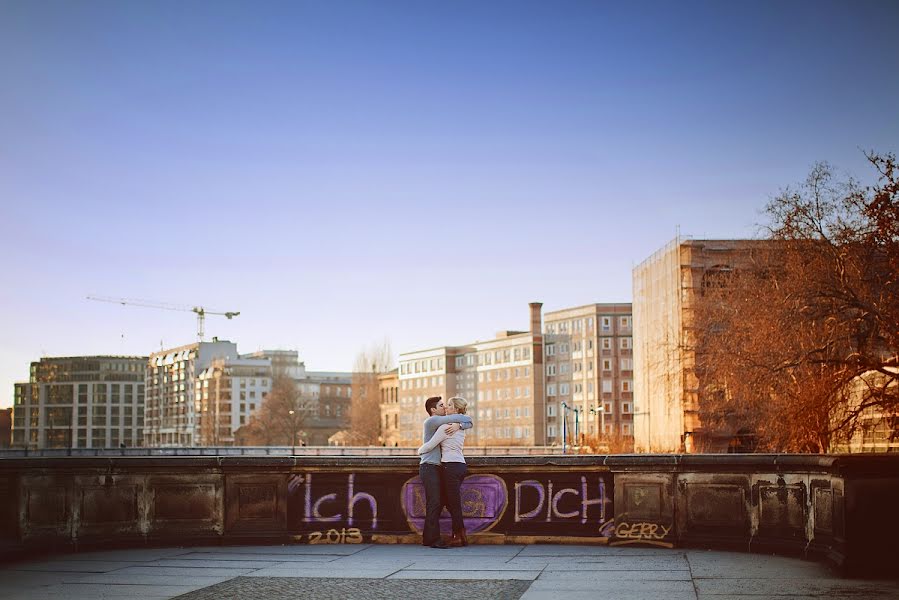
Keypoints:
pixel 504 393
pixel 553 348
pixel 605 324
pixel 564 389
pixel 552 431
pixel 553 410
pixel 505 413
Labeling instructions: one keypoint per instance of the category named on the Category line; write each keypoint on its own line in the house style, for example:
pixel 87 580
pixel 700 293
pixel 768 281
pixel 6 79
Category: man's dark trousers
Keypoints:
pixel 432 477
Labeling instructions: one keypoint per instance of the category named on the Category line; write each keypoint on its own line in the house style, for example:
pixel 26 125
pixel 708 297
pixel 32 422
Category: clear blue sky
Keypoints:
pixel 343 172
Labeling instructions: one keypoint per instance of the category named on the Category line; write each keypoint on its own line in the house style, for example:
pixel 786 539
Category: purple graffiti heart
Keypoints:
pixel 484 501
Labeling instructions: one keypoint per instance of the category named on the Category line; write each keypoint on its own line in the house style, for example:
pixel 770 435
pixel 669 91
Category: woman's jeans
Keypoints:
pixel 453 474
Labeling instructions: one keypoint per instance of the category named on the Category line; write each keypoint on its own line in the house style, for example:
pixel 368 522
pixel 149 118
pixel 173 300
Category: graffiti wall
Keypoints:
pixel 356 507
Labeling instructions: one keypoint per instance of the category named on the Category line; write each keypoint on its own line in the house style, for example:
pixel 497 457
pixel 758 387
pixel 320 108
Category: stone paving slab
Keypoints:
pixel 188 563
pixel 293 550
pixel 466 574
pixel 235 557
pixel 818 586
pixel 90 591
pixel 613 586
pixel 370 589
pixel 533 594
pixel 591 576
pixel 323 572
pixel 674 562
pixel 116 578
pixel 70 566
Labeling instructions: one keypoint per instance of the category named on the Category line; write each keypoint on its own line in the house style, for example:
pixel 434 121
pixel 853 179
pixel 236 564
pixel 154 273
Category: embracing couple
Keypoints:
pixel 443 468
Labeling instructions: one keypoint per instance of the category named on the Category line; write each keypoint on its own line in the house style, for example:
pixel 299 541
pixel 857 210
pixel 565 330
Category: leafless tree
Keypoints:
pixel 782 341
pixel 281 419
pixel 365 407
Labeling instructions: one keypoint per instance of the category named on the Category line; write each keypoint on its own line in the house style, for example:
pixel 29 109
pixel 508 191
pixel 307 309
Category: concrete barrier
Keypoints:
pixel 840 508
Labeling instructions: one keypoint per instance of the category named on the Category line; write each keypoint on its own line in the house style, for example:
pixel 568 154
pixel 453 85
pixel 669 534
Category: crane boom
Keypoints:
pixel 200 311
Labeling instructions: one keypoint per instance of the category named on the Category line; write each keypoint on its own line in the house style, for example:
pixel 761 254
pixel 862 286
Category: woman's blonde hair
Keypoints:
pixel 460 403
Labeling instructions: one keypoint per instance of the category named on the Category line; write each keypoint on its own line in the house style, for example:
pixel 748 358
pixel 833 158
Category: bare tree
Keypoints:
pixel 281 419
pixel 365 406
pixel 781 342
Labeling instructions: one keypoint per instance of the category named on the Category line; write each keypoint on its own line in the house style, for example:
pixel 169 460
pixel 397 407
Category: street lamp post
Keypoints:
pixel 564 423
pixel 293 431
pixel 600 410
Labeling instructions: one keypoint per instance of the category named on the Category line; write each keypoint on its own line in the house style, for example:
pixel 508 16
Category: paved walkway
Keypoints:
pixel 390 571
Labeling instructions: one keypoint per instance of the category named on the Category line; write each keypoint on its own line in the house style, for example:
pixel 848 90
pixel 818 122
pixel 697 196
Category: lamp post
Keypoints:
pixel 293 431
pixel 564 422
pixel 600 410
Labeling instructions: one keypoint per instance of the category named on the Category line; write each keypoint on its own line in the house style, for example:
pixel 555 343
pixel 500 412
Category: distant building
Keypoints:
pixel 326 394
pixel 389 402
pixel 81 402
pixel 589 368
pixel 877 430
pixel 5 427
pixel 667 287
pixel 333 390
pixel 502 380
pixel 172 375
pixel 227 393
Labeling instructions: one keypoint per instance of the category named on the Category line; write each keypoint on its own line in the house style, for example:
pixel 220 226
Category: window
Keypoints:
pixel 563 348
pixel 517 413
pixel 606 323
pixel 607 364
pixel 518 432
pixel 626 385
pixel 606 386
pixel 563 368
pixel 624 322
pixel 626 428
pixel 550 370
pixel 627 364
pixel 626 407
pixel 460 362
pixel 550 349
pixel 625 343
pixel 527 411
pixel 551 389
pixel 606 343
pixel 563 389
pixel 551 431
pixel 550 410
pixel 578 388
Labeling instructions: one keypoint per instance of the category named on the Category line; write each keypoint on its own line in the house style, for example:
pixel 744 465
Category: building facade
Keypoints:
pixel 389 403
pixel 227 394
pixel 589 376
pixel 667 287
pixel 172 375
pixel 5 427
pixel 81 402
pixel 502 380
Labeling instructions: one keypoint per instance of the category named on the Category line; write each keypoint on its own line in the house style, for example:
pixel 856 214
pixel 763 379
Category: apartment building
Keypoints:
pixel 667 287
pixel 172 414
pixel 331 412
pixel 589 376
pixel 325 395
pixel 389 403
pixel 80 402
pixel 502 380
pixel 227 393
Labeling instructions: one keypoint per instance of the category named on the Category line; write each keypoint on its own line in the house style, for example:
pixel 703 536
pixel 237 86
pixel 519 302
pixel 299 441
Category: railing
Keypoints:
pixel 273 451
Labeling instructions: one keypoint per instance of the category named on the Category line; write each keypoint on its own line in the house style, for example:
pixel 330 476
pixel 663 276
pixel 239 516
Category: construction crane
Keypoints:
pixel 200 311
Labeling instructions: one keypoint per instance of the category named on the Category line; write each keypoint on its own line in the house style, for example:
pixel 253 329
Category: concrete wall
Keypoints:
pixel 839 508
